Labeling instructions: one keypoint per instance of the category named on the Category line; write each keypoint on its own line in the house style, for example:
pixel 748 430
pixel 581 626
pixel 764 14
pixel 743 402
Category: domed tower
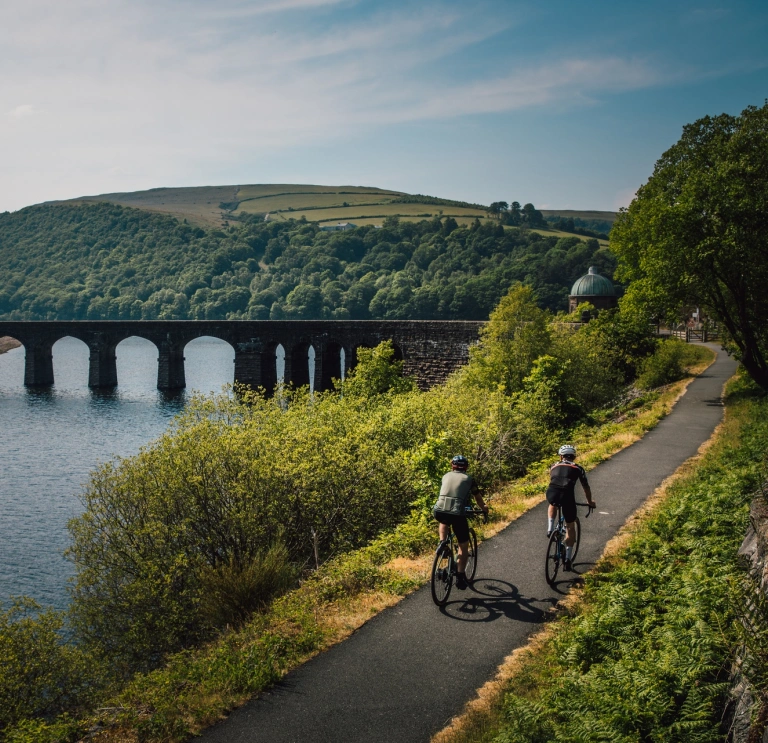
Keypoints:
pixel 592 288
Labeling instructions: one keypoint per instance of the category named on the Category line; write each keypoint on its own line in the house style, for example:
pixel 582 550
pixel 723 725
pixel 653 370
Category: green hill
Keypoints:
pixel 217 206
pixel 105 261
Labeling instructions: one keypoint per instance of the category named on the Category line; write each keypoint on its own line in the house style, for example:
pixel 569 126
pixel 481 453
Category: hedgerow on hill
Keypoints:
pixel 107 262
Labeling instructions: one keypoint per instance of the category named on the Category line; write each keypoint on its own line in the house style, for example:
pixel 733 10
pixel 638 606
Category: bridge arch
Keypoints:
pixel 333 364
pixel 300 363
pixel 207 352
pixel 70 361
pixel 431 349
pixel 136 361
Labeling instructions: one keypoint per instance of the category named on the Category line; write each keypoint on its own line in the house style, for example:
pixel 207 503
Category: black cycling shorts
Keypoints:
pixel 459 523
pixel 564 499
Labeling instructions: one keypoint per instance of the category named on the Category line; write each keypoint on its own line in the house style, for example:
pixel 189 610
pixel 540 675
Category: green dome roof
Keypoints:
pixel 593 285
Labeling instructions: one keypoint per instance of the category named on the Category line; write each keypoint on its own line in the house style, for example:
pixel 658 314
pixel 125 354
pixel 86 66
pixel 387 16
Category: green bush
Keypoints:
pixel 232 592
pixel 40 674
pixel 664 366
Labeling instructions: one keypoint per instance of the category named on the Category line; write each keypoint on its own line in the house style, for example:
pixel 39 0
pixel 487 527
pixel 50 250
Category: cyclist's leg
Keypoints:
pixel 570 533
pixel 463 556
pixel 461 530
pixel 569 514
pixel 444 524
pixel 553 498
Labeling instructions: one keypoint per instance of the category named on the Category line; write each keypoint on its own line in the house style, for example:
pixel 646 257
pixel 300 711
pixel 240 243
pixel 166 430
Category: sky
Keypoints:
pixel 566 105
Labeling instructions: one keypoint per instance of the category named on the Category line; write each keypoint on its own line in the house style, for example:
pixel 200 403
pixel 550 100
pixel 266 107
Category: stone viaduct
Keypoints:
pixel 430 349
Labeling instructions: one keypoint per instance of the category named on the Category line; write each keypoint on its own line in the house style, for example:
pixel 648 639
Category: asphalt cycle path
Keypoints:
pixel 404 674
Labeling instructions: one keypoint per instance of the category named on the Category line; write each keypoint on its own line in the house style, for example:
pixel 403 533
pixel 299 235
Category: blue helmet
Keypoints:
pixel 460 462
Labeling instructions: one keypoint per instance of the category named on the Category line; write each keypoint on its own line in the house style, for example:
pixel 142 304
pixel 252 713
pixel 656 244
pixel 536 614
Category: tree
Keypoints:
pixel 498 209
pixel 532 216
pixel 697 232
pixel 516 335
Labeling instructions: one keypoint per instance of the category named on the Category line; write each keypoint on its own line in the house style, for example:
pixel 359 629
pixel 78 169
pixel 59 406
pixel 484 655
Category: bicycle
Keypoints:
pixel 445 563
pixel 556 546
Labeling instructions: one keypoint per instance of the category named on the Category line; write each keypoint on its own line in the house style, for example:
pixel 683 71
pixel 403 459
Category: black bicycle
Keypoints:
pixel 556 546
pixel 445 564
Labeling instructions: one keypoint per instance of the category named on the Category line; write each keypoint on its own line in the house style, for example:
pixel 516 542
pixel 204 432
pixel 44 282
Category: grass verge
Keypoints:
pixel 198 687
pixel 643 651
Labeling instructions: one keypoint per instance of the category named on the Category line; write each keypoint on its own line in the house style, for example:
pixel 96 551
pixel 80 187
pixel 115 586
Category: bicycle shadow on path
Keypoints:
pixel 490 599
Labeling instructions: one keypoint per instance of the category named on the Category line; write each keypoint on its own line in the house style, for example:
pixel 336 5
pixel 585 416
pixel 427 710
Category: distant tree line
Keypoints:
pixel 515 215
pixel 102 261
pixel 598 228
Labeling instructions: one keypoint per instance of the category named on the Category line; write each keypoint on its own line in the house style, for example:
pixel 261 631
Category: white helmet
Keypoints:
pixel 567 450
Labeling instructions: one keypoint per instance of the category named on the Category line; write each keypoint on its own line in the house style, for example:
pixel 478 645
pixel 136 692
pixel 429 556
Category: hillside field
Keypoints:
pixel 216 206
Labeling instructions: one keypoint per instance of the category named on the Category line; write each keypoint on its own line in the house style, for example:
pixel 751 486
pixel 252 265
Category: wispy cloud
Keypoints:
pixel 138 92
pixel 25 109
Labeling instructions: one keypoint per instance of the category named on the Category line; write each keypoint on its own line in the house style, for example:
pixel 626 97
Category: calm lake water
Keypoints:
pixel 51 439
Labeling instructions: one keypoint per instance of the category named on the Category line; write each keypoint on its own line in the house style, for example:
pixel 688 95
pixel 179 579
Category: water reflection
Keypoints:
pixel 51 438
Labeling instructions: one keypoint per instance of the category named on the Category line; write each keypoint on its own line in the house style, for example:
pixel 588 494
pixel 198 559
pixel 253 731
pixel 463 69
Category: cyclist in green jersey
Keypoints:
pixel 456 490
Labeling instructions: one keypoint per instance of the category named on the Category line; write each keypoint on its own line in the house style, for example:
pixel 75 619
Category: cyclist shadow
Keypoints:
pixel 489 599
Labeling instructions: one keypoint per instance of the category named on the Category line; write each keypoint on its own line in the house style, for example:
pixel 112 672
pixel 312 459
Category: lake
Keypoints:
pixel 51 439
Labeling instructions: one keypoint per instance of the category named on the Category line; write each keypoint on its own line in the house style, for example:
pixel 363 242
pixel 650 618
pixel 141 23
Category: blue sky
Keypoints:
pixel 564 104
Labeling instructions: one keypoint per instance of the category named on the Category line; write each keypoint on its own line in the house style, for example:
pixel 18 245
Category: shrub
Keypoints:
pixel 232 592
pixel 664 366
pixel 40 675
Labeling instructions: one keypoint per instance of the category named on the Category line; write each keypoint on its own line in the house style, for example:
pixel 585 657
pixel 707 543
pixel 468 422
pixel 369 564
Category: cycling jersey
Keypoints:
pixel 563 476
pixel 455 491
pixel 562 484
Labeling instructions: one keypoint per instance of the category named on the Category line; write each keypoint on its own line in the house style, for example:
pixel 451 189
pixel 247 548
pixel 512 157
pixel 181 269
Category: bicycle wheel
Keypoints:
pixel 577 526
pixel 472 559
pixel 553 557
pixel 442 578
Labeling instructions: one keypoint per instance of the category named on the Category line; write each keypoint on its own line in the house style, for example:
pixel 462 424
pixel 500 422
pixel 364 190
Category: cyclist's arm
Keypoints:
pixel 479 498
pixel 587 489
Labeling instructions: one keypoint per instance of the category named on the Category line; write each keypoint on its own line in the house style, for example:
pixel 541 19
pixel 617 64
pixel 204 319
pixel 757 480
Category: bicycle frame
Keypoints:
pixel 556 546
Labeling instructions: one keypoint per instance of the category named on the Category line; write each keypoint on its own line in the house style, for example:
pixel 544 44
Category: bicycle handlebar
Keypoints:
pixel 589 508
pixel 477 512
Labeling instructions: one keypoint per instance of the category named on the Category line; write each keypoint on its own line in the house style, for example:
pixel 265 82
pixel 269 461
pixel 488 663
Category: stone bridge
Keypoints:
pixel 430 349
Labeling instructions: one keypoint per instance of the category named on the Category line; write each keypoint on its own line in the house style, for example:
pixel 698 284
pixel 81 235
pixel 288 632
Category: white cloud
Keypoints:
pixel 25 109
pixel 138 94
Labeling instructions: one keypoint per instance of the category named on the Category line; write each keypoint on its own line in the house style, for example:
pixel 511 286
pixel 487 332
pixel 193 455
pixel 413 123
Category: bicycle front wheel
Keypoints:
pixel 472 559
pixel 577 526
pixel 442 578
pixel 553 558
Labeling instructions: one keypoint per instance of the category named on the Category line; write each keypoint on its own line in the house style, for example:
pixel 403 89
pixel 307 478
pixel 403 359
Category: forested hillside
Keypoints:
pixel 104 261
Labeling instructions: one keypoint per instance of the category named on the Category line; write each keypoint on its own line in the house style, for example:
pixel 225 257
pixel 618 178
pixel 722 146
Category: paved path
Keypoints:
pixel 398 679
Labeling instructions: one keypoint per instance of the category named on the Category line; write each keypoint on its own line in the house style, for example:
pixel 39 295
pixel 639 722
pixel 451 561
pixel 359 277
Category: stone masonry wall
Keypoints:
pixel 430 349
pixel 748 713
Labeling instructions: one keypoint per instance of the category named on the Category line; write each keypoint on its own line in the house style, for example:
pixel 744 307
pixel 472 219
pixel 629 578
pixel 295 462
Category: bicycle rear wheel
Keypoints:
pixel 553 558
pixel 442 579
pixel 577 526
pixel 472 559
